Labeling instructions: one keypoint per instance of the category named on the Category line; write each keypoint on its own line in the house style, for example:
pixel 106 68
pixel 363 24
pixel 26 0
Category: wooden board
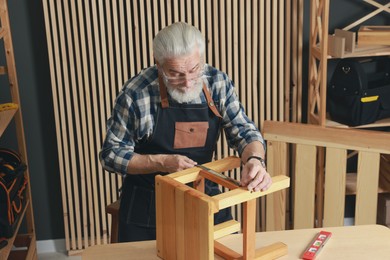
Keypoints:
pixel 374 35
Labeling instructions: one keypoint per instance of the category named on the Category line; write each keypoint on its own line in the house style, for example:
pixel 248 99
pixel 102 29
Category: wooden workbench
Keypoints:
pixel 352 242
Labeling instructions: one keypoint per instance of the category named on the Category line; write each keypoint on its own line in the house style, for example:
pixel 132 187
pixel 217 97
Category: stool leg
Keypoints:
pixel 113 209
pixel 114 228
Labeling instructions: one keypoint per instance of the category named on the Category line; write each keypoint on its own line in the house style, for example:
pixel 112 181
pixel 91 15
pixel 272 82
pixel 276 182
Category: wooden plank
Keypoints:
pixel 365 140
pixel 262 61
pixel 350 39
pixel 241 56
pixel 165 218
pixel 335 181
pixel 225 252
pixel 294 53
pixel 206 227
pixel 287 60
pixel 145 51
pixel 86 95
pixel 248 57
pixel 255 64
pixel 299 38
pixel 240 195
pixel 159 217
pixel 367 188
pixel 219 180
pixel 69 146
pixel 336 46
pixel 79 107
pixel 249 236
pixel 222 165
pixel 304 186
pixel 277 160
pixel 131 47
pixel 197 227
pixel 274 61
pixel 374 35
pixel 268 64
pixel 180 221
pixel 272 251
pixel 368 16
pixel 136 33
pixel 226 228
pixel 123 40
pixel 51 33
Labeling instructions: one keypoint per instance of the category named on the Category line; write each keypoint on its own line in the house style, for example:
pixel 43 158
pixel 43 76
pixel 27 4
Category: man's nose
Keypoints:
pixel 188 81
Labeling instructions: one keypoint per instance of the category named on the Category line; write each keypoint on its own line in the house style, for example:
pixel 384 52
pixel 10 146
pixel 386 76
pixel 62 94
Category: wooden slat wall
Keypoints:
pixel 95 46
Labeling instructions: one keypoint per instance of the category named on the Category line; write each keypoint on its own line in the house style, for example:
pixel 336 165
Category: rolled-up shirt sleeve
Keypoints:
pixel 118 146
pixel 239 129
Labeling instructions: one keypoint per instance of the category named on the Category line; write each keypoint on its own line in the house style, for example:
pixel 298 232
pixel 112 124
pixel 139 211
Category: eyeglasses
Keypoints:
pixel 192 77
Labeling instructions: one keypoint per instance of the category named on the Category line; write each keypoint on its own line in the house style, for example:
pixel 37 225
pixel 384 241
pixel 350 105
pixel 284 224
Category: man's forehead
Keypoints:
pixel 180 64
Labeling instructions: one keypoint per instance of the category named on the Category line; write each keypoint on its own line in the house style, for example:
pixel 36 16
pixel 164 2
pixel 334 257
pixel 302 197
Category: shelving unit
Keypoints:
pixel 317 86
pixel 318 60
pixel 24 243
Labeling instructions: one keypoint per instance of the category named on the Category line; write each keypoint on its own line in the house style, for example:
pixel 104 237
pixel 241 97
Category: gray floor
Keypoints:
pixel 57 256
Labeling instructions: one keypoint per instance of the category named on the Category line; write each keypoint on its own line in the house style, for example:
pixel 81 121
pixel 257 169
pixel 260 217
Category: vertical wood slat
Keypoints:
pixel 336 172
pixel 367 188
pixel 304 186
pixel 165 193
pixel 106 43
pixel 67 116
pixel 51 32
pixel 81 108
pixel 276 202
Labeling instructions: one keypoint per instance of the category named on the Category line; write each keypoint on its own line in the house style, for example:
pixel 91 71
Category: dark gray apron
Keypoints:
pixel 186 129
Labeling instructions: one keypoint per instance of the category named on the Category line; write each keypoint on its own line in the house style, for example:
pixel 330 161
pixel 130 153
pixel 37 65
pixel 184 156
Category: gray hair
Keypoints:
pixel 176 40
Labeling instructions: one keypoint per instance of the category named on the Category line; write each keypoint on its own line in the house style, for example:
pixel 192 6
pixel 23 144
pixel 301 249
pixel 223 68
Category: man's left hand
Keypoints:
pixel 255 177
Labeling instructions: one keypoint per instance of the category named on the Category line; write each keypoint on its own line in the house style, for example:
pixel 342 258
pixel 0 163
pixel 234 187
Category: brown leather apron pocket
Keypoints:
pixel 190 134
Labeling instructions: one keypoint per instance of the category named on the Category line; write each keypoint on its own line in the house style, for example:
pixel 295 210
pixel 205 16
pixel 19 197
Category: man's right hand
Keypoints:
pixel 174 163
pixel 149 163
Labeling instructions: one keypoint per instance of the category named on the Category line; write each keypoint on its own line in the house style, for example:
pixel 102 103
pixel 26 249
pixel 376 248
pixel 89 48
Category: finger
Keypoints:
pixel 247 176
pixel 255 182
pixel 188 160
pixel 188 163
pixel 263 185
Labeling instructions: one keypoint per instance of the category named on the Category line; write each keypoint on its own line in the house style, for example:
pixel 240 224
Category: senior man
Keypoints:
pixel 168 118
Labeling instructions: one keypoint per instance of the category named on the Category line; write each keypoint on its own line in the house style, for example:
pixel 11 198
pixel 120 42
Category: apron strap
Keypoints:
pixel 163 93
pixel 210 101
pixel 165 103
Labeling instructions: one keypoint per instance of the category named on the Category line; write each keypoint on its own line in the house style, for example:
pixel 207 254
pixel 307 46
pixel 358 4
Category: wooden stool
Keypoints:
pixel 113 209
pixel 185 215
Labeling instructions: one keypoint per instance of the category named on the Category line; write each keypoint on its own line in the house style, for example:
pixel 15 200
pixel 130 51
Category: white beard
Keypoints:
pixel 183 97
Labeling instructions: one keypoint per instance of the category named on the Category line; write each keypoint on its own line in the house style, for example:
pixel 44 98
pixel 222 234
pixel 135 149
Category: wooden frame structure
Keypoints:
pixel 336 143
pixel 319 56
pixel 185 215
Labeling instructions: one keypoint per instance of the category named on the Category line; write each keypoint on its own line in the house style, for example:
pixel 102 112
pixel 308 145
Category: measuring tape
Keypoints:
pixel 316 245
